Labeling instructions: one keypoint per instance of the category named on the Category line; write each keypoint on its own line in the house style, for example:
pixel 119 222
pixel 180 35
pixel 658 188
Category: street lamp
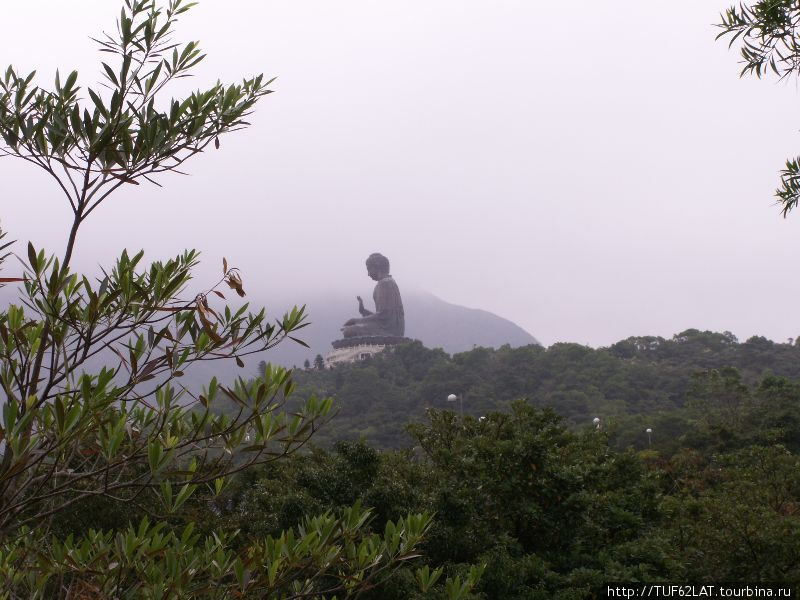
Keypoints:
pixel 649 432
pixel 453 398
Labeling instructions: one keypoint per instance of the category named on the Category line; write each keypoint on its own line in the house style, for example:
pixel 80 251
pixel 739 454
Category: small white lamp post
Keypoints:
pixel 453 398
pixel 649 432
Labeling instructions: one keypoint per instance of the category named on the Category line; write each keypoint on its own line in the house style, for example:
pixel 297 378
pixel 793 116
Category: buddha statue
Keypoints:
pixel 388 318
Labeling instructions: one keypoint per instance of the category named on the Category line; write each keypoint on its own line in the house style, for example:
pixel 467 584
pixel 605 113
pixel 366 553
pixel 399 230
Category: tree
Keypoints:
pixel 504 486
pixel 319 362
pixel 768 38
pixel 719 398
pixel 129 432
pixel 736 519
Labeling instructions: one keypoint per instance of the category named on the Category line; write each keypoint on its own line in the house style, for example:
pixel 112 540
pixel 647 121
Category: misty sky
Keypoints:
pixel 590 170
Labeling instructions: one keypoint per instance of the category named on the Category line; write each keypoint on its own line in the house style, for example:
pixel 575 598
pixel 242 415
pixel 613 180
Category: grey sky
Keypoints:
pixel 590 170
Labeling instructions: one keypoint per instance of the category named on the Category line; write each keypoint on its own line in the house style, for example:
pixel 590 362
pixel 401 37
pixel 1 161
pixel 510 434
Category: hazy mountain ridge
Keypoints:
pixel 455 328
pixel 433 321
pixel 436 323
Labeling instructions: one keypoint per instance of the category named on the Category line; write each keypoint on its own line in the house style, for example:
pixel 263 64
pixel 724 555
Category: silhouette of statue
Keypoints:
pixel 388 318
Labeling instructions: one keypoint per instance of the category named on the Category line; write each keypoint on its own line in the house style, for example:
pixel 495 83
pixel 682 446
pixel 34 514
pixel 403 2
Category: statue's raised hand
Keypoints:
pixel 361 310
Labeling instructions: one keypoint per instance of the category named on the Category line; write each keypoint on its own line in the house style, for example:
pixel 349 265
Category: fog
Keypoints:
pixel 589 170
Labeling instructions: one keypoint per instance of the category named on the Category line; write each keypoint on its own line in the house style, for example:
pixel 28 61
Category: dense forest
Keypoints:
pixel 528 489
pixel 671 386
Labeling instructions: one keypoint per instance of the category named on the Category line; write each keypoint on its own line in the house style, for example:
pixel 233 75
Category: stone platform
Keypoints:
pixel 354 349
pixel 370 340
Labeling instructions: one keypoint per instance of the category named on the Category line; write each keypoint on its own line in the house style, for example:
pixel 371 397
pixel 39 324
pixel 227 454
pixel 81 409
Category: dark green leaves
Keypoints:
pixel 789 191
pixel 122 137
pixel 767 34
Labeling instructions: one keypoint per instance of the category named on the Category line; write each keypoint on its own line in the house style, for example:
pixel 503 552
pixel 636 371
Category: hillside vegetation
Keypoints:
pixel 632 385
pixel 548 504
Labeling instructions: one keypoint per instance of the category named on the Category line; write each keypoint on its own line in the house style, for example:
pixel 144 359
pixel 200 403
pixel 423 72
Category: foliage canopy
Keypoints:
pixel 767 35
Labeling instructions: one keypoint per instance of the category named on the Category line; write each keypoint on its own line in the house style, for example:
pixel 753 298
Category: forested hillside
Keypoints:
pixel 635 382
pixel 553 506
pixel 550 512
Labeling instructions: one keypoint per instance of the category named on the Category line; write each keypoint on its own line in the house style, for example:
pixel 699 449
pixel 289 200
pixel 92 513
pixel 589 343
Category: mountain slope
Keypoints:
pixel 454 328
pixel 436 323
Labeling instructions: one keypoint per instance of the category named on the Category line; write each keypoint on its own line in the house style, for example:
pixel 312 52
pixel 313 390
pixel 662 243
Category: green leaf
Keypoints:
pixel 32 259
pixel 154 455
pixel 111 75
pixel 73 77
pixel 101 108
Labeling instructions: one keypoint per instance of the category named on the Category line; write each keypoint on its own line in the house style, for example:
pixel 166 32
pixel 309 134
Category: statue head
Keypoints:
pixel 377 266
